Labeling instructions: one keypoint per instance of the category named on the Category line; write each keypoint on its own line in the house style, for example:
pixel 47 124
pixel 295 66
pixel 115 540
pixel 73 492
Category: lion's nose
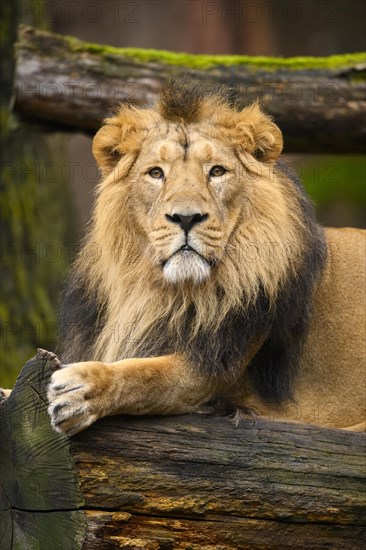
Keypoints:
pixel 186 222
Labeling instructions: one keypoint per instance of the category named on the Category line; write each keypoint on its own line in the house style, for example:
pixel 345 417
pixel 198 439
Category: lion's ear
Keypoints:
pixel 258 135
pixel 120 136
pixel 107 146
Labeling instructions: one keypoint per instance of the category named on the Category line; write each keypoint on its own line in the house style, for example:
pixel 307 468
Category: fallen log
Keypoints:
pixel 174 483
pixel 319 103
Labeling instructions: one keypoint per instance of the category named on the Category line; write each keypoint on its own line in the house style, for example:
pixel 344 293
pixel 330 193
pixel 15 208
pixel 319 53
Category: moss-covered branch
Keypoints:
pixel 318 102
pixel 202 62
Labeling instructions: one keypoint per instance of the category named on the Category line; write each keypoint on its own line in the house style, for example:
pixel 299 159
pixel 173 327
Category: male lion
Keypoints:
pixel 206 278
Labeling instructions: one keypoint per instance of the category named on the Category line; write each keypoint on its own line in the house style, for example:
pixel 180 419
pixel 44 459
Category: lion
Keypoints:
pixel 205 278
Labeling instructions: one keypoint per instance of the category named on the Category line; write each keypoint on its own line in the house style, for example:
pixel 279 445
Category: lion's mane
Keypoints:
pixel 114 306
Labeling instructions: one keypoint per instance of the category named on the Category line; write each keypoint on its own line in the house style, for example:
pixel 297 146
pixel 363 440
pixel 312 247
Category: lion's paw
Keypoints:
pixel 73 398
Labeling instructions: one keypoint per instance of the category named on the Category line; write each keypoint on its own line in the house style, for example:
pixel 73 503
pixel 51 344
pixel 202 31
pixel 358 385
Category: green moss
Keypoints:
pixel 209 61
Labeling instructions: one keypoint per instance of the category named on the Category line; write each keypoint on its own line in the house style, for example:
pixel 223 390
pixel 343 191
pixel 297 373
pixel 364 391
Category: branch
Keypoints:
pixel 177 482
pixel 319 103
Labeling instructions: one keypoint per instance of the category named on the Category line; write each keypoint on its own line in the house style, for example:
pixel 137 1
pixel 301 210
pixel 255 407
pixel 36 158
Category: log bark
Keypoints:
pixel 174 483
pixel 319 103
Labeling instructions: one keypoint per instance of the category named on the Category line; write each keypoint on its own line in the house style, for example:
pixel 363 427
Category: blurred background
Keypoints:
pixel 33 199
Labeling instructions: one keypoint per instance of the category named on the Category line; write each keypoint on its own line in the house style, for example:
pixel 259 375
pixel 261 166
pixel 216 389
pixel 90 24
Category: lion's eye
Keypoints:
pixel 217 171
pixel 156 173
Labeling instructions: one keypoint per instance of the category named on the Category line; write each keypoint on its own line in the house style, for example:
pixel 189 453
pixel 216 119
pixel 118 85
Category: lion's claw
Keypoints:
pixel 70 409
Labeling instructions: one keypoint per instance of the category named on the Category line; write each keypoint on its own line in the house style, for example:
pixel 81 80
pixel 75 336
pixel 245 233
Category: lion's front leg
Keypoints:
pixel 81 393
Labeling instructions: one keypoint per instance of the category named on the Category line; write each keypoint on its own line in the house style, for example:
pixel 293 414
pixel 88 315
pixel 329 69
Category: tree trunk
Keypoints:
pixel 36 220
pixel 174 483
pixel 319 103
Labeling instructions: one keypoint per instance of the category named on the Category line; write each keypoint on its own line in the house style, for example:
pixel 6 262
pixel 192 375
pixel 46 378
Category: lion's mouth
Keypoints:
pixel 185 247
pixel 188 250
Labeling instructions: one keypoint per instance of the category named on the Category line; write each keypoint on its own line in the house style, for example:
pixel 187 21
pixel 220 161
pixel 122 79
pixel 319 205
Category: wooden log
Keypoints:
pixel 319 103
pixel 174 483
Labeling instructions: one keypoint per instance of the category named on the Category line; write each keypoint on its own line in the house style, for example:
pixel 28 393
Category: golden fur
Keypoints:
pixel 255 244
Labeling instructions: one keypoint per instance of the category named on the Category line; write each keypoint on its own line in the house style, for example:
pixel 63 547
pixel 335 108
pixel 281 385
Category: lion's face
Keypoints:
pixel 189 186
pixel 188 198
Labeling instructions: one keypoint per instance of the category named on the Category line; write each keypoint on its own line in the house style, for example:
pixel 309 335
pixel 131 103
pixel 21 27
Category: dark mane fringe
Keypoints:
pixel 274 368
pixel 81 319
pixel 225 351
pixel 181 100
